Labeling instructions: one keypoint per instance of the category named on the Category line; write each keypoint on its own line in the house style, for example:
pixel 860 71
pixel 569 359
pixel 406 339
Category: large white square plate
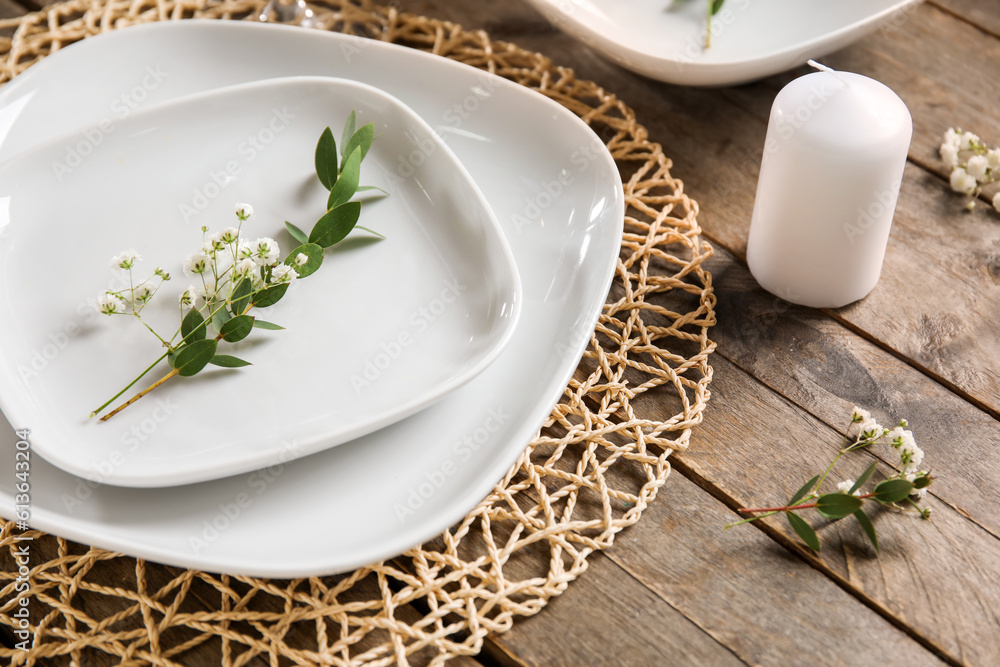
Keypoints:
pixel 553 187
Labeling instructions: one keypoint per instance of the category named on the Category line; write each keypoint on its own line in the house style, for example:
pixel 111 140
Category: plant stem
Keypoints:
pixel 129 385
pixel 142 393
pixel 708 27
pixel 775 510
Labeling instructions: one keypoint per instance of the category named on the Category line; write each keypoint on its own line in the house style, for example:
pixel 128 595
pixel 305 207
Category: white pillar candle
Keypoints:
pixel 833 161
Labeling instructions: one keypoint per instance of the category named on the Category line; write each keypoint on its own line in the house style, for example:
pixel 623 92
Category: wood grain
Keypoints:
pixel 10 9
pixel 938 579
pixel 983 13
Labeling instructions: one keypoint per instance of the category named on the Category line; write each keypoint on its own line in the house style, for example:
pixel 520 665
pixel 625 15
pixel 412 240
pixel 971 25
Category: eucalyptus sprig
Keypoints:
pixel 901 490
pixel 238 275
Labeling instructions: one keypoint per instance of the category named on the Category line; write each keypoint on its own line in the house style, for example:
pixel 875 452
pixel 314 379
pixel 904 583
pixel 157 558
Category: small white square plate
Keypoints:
pixel 380 331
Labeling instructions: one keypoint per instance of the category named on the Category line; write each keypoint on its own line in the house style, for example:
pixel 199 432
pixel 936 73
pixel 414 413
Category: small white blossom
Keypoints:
pixel 109 304
pixel 143 292
pixel 917 494
pixel 266 250
pixel 125 259
pixel 969 141
pixel 952 138
pixel 996 202
pixel 246 267
pixel 197 264
pixel 229 235
pixel 283 273
pixel 949 155
pixel 993 159
pixel 244 211
pixel 977 166
pixel 862 425
pixel 845 487
pixel 189 296
pixel 962 182
pixel 301 259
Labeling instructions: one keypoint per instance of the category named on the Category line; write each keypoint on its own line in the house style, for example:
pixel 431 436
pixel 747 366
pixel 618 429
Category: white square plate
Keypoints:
pixel 558 196
pixel 380 331
pixel 751 39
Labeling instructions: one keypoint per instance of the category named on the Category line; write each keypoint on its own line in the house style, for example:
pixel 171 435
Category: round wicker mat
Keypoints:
pixel 590 472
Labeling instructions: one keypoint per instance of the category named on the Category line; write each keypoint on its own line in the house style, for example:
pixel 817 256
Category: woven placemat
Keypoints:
pixel 589 473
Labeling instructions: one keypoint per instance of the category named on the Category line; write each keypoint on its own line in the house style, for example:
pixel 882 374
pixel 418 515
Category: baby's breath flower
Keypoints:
pixel 283 273
pixel 265 250
pixel 245 268
pixel 125 259
pixel 197 264
pixel 949 155
pixel 962 181
pixel 301 259
pixel 845 487
pixel 969 141
pixel 977 167
pixel 229 235
pixel 993 158
pixel 189 296
pixel 143 292
pixel 244 211
pixel 164 276
pixel 952 137
pixel 109 304
pixel 996 202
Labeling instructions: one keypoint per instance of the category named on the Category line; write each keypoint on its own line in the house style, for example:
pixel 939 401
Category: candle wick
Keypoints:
pixel 823 68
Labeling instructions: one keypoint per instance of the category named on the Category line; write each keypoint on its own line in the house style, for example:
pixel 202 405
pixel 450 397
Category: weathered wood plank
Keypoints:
pixel 608 617
pixel 748 593
pixel 983 13
pixel 9 9
pixel 818 364
pixel 941 578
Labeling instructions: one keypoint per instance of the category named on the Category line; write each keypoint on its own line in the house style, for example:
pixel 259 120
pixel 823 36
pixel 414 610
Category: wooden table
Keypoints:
pixel 677 590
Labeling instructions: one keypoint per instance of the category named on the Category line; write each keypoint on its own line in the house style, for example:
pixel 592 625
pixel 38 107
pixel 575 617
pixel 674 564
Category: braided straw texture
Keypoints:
pixel 591 471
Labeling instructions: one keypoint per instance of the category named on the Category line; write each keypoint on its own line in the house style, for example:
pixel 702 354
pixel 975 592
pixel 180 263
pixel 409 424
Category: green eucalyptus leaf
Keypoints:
pixel 868 527
pixel 270 326
pixel 220 318
pixel 715 6
pixel 803 530
pixel 370 231
pixel 313 252
pixel 801 493
pixel 347 183
pixel 269 295
pixel 865 476
pixel 349 126
pixel 296 233
pixel 195 356
pixel 326 159
pixel 228 361
pixel 336 224
pixel 922 482
pixel 172 356
pixel 237 328
pixel 193 326
pixel 893 490
pixel 241 297
pixel 362 139
pixel 835 506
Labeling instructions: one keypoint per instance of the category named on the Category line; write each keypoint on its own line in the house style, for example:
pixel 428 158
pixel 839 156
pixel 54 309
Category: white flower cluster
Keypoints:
pixel 132 299
pixel 972 164
pixel 864 427
pixel 226 258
